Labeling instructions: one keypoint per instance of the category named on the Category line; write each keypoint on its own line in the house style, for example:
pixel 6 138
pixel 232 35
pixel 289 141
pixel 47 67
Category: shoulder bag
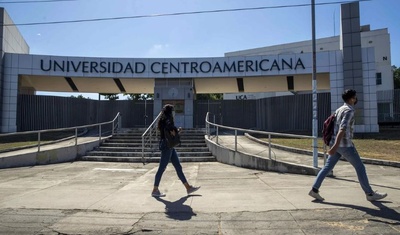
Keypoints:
pixel 172 141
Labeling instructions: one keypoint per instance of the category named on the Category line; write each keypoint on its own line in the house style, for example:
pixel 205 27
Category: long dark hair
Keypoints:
pixel 166 114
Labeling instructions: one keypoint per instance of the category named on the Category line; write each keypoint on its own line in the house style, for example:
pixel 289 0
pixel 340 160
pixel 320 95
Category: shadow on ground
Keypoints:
pixel 177 210
pixel 391 216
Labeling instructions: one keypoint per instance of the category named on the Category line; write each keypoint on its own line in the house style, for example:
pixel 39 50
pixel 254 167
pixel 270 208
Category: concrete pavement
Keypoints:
pixel 114 198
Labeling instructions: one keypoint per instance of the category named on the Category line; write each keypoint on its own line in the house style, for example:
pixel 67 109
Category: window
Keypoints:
pixel 290 83
pixel 378 78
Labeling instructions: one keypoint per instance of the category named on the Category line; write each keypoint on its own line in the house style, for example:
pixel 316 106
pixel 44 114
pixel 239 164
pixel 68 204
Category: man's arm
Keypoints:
pixel 339 138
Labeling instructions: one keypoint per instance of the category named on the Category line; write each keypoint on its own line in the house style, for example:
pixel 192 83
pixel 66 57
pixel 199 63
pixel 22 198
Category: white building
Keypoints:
pixel 378 39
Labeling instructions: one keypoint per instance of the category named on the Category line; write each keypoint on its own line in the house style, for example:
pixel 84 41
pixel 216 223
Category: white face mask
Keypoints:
pixel 173 113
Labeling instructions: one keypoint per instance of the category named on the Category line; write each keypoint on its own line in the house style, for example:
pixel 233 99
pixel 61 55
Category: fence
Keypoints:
pixel 50 112
pixel 241 113
pixel 292 113
pixel 288 114
pixel 388 107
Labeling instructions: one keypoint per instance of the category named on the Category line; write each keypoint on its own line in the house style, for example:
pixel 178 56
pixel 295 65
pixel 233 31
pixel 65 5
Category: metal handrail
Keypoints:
pixel 39 132
pixel 149 131
pixel 236 129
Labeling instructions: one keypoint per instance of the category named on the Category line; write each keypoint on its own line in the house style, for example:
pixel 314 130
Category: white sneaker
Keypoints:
pixel 158 194
pixel 316 195
pixel 192 189
pixel 376 196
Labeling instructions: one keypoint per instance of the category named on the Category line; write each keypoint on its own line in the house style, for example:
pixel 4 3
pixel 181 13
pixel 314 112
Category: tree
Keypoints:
pixel 79 97
pixel 140 96
pixel 110 96
pixel 396 77
pixel 216 96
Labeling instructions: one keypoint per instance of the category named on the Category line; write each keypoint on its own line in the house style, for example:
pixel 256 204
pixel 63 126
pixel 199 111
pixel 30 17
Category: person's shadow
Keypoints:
pixel 392 216
pixel 177 210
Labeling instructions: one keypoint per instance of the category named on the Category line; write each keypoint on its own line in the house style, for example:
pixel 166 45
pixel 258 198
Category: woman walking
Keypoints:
pixel 166 123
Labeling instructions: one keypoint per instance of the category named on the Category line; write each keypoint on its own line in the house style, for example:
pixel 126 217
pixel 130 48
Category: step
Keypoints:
pixel 156 137
pixel 181 133
pixel 153 141
pixel 139 149
pixel 147 160
pixel 139 154
pixel 139 145
pixel 141 132
pixel 127 147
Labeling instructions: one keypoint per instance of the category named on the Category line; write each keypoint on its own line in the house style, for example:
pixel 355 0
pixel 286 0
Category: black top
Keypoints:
pixel 167 123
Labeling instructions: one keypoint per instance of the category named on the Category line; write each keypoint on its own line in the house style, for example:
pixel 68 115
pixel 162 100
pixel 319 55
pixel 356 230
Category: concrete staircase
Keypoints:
pixel 126 146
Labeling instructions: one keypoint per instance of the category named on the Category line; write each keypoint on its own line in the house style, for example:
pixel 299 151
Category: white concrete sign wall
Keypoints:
pixel 166 68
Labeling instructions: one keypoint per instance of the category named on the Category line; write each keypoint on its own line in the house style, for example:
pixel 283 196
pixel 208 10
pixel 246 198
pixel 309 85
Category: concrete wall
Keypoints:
pixel 10 37
pixel 31 157
pixel 11 41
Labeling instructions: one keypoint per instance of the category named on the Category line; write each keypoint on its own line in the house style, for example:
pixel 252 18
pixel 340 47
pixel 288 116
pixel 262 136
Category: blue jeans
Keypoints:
pixel 166 155
pixel 351 155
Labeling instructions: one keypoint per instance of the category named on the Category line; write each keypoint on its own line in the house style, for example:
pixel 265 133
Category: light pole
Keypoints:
pixel 145 111
pixel 314 90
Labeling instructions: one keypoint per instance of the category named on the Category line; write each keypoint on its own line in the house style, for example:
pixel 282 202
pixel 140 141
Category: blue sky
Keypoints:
pixel 195 35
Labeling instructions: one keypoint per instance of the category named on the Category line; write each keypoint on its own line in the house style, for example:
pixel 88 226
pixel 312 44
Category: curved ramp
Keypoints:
pixel 253 155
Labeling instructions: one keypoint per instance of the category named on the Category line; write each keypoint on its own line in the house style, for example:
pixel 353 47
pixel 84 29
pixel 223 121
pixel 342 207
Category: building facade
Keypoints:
pixel 378 39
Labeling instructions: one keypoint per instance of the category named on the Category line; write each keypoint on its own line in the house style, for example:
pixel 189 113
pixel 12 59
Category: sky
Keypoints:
pixel 186 35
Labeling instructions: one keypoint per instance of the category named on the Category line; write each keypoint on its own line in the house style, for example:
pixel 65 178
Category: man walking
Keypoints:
pixel 342 145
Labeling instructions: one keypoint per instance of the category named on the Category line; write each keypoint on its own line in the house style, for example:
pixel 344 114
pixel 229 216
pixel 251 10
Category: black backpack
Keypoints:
pixel 328 128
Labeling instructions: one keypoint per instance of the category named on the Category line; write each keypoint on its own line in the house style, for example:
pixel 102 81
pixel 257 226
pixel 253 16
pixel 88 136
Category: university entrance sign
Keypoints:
pixel 184 67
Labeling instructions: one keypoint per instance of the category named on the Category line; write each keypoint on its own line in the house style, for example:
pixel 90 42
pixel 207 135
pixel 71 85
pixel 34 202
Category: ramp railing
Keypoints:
pixel 35 138
pixel 213 131
pixel 148 139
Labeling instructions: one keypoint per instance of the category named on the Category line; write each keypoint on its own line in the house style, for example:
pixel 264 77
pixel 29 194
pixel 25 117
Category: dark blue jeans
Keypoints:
pixel 168 154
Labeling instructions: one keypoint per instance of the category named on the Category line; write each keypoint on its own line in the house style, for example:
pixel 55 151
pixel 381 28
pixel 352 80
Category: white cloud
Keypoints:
pixel 158 50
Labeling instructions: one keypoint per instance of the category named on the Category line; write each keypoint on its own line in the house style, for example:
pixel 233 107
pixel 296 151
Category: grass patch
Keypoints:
pixel 16 145
pixel 16 141
pixel 383 149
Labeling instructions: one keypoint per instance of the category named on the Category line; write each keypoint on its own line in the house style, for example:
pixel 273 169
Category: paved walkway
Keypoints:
pixel 114 198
